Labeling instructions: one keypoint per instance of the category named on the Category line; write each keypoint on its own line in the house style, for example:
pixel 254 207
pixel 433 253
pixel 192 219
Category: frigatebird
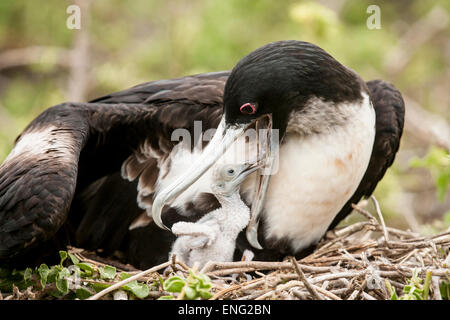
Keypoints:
pixel 213 237
pixel 108 174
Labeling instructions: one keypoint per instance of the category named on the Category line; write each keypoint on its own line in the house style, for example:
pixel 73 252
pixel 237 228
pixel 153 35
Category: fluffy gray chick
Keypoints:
pixel 213 237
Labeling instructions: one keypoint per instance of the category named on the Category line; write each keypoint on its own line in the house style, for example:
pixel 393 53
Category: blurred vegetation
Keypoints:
pixel 130 42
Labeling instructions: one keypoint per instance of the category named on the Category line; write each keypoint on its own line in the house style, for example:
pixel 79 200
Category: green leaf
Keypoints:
pixel 74 259
pixel 63 255
pixel 140 290
pixel 99 286
pixel 203 278
pixel 391 290
pixel 28 274
pixel 193 277
pixel 43 271
pixel 107 273
pixel 53 274
pixel 62 286
pixel 408 288
pixel 417 295
pixel 61 281
pixel 190 293
pixel 174 284
pixel 203 286
pixel 57 294
pixel 124 275
pixel 394 295
pixel 16 272
pixel 444 288
pixel 82 293
pixel 161 281
pixel 426 285
pixel 87 268
pixel 205 293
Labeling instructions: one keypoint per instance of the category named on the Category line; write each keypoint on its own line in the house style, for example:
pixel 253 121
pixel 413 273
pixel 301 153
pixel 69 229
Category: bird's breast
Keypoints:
pixel 315 177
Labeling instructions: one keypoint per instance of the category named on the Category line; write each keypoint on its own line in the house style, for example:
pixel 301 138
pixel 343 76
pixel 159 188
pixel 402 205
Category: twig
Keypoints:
pixel 435 288
pixel 353 228
pixel 222 268
pixel 365 213
pixel 225 291
pixel 380 216
pixel 312 290
pixel 128 280
pixel 299 294
pixel 326 293
pixel 367 296
pixel 361 289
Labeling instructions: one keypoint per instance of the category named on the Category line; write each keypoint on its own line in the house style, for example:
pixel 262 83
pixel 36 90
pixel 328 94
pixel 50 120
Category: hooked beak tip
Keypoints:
pixel 252 237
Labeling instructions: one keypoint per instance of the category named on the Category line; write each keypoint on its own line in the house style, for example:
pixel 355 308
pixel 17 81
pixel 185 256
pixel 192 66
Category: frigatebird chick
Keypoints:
pixel 213 237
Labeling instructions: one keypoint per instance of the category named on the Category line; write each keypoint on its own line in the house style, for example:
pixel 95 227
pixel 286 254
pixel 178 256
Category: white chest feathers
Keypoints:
pixel 213 237
pixel 316 176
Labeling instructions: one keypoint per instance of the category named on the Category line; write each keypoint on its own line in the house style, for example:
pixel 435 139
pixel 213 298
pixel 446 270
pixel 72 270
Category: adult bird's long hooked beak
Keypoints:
pixel 270 151
pixel 221 141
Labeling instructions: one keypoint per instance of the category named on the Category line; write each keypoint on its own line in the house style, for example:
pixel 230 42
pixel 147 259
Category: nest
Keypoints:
pixel 363 261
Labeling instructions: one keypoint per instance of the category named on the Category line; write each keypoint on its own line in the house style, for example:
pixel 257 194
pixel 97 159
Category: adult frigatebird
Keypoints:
pixel 91 174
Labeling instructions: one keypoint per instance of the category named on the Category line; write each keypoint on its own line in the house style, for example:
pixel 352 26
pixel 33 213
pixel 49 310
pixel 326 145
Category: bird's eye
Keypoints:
pixel 230 171
pixel 248 108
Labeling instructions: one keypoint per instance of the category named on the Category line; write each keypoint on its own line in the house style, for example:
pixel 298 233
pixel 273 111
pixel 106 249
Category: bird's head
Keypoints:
pixel 228 178
pixel 279 79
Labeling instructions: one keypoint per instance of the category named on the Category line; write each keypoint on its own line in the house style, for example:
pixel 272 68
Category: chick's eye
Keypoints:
pixel 248 108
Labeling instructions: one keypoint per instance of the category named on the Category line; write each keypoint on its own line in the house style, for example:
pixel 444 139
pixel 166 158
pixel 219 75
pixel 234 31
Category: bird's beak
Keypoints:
pixel 221 141
pixel 270 152
pixel 249 168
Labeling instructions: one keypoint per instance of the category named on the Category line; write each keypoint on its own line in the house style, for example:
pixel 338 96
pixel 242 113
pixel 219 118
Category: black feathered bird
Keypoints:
pixel 98 174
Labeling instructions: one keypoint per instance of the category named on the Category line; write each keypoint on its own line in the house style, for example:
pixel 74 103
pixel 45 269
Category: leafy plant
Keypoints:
pixel 414 290
pixel 75 280
pixel 139 289
pixel 437 161
pixel 444 288
pixel 195 286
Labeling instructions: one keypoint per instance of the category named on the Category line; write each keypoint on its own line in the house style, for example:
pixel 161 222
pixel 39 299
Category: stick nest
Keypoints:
pixel 350 263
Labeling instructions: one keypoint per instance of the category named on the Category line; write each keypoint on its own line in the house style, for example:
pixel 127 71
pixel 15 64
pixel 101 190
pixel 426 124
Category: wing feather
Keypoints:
pixel 71 146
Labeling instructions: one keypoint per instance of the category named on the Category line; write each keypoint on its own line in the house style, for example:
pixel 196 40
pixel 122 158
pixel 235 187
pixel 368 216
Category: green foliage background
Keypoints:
pixel 142 40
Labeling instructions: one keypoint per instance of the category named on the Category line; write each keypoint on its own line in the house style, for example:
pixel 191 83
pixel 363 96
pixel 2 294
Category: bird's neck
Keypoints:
pixel 234 212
